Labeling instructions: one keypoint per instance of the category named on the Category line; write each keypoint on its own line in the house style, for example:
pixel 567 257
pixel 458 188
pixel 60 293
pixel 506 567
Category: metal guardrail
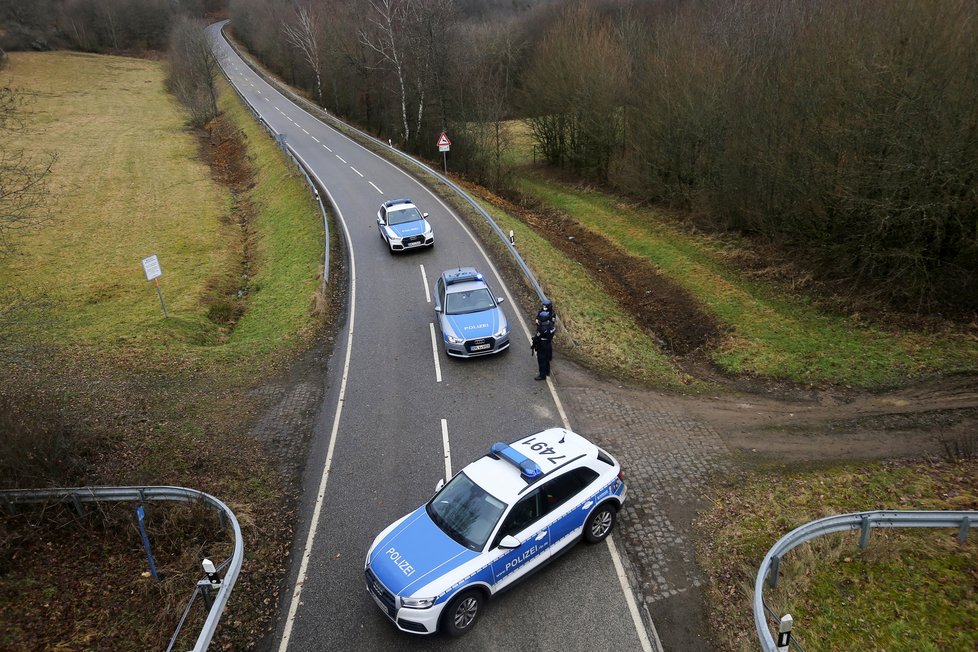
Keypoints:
pixel 299 162
pixel 79 495
pixel 340 126
pixel 862 521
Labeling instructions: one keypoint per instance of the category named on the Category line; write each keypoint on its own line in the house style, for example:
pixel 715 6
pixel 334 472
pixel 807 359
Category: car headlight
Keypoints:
pixel 417 603
pixel 502 331
pixel 455 340
pixel 427 229
pixel 393 236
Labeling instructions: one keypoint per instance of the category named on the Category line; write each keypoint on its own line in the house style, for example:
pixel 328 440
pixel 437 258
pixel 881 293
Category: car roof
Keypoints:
pixel 391 203
pixel 462 279
pixel 506 480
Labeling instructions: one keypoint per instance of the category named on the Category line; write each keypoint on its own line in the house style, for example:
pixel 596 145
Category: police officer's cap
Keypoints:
pixel 543 316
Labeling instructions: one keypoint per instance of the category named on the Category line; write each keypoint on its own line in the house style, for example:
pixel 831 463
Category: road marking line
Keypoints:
pixel 315 139
pixel 317 511
pixel 448 451
pixel 356 170
pixel 340 157
pixel 434 351
pixel 277 109
pixel 328 149
pixel 626 588
pixel 424 281
pixel 375 187
pixel 304 129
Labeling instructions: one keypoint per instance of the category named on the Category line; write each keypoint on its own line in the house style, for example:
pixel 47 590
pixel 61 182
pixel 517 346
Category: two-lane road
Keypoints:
pixel 399 415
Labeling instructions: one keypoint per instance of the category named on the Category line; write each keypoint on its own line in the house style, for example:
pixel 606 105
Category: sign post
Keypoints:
pixel 443 146
pixel 151 265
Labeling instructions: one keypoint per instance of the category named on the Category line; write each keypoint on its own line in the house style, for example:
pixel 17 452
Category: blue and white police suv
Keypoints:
pixel 402 226
pixel 499 519
pixel 471 321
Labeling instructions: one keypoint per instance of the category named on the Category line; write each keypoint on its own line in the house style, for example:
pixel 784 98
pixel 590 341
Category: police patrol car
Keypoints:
pixel 402 226
pixel 499 519
pixel 471 321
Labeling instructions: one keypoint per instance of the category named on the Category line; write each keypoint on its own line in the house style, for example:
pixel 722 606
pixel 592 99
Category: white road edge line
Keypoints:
pixel 317 511
pixel 448 451
pixel 424 282
pixel 375 187
pixel 434 352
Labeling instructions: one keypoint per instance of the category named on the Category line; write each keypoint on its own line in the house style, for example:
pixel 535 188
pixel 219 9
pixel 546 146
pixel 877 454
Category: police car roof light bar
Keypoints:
pixel 394 202
pixel 528 468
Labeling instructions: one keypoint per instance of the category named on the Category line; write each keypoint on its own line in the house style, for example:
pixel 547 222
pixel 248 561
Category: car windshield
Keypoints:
pixel 465 512
pixel 403 215
pixel 458 303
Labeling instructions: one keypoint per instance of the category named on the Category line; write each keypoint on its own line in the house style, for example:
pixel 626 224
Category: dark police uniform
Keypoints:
pixel 543 343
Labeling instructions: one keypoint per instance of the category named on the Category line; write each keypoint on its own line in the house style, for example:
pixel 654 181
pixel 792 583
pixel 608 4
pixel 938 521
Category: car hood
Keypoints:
pixel 415 553
pixel 406 229
pixel 476 324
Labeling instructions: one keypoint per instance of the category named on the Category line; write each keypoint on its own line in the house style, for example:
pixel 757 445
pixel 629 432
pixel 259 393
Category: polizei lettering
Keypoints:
pixel 401 562
pixel 474 326
pixel 516 561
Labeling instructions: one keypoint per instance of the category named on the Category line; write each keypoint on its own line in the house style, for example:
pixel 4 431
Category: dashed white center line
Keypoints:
pixel 304 130
pixel 375 187
pixel 267 100
pixel 434 351
pixel 314 138
pixel 277 109
pixel 424 281
pixel 355 170
pixel 327 149
pixel 339 157
pixel 448 451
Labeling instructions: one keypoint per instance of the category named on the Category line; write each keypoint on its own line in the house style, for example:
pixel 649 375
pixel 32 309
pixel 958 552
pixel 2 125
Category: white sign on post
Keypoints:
pixel 151 266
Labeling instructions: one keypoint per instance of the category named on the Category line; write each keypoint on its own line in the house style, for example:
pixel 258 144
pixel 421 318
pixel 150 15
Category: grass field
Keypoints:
pixel 113 393
pixel 130 184
pixel 773 334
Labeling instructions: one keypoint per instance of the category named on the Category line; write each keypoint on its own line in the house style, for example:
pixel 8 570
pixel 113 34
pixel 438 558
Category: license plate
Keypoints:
pixel 481 347
pixel 414 244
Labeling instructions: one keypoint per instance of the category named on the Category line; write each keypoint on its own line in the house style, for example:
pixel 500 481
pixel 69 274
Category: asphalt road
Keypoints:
pixel 379 445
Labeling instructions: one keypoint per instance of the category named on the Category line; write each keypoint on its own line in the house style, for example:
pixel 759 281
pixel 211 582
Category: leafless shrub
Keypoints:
pixel 192 69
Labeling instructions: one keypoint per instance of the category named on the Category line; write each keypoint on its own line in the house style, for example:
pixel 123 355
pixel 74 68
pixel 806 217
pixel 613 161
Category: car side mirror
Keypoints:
pixel 500 300
pixel 509 542
pixel 437 308
pixel 441 483
pixel 424 215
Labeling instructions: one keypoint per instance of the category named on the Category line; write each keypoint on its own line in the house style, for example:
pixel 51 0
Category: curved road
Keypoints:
pixel 398 415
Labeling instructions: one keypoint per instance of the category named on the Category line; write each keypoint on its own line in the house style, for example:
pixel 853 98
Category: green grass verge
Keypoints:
pixel 909 590
pixel 593 328
pixel 773 334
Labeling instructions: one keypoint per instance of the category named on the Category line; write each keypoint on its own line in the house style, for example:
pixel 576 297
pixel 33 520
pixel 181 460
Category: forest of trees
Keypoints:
pixel 844 130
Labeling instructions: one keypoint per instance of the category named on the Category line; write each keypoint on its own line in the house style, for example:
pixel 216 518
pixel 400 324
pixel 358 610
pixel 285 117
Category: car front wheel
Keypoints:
pixel 600 523
pixel 462 612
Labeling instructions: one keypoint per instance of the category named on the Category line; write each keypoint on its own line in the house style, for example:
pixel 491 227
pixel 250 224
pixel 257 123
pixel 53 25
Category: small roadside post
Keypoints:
pixel 151 266
pixel 140 516
pixel 443 146
pixel 210 583
pixel 784 633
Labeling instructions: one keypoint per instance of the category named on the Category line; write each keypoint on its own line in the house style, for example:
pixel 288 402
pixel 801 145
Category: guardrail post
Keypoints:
pixel 864 532
pixel 79 508
pixel 772 576
pixel 963 530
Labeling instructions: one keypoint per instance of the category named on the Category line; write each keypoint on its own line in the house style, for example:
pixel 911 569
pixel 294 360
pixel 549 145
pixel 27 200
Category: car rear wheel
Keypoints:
pixel 600 523
pixel 462 612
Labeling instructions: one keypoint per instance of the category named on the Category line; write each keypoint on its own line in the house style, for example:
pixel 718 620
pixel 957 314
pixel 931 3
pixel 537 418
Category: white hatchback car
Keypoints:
pixel 498 520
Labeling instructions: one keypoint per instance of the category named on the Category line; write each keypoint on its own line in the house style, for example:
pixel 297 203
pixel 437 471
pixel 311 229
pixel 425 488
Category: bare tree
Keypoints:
pixel 193 68
pixel 387 19
pixel 24 190
pixel 304 35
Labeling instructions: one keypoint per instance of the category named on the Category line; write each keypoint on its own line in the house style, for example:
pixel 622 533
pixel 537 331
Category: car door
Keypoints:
pixel 561 502
pixel 525 521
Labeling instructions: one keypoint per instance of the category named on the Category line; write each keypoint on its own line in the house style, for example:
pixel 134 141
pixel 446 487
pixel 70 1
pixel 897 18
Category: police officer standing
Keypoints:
pixel 543 343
